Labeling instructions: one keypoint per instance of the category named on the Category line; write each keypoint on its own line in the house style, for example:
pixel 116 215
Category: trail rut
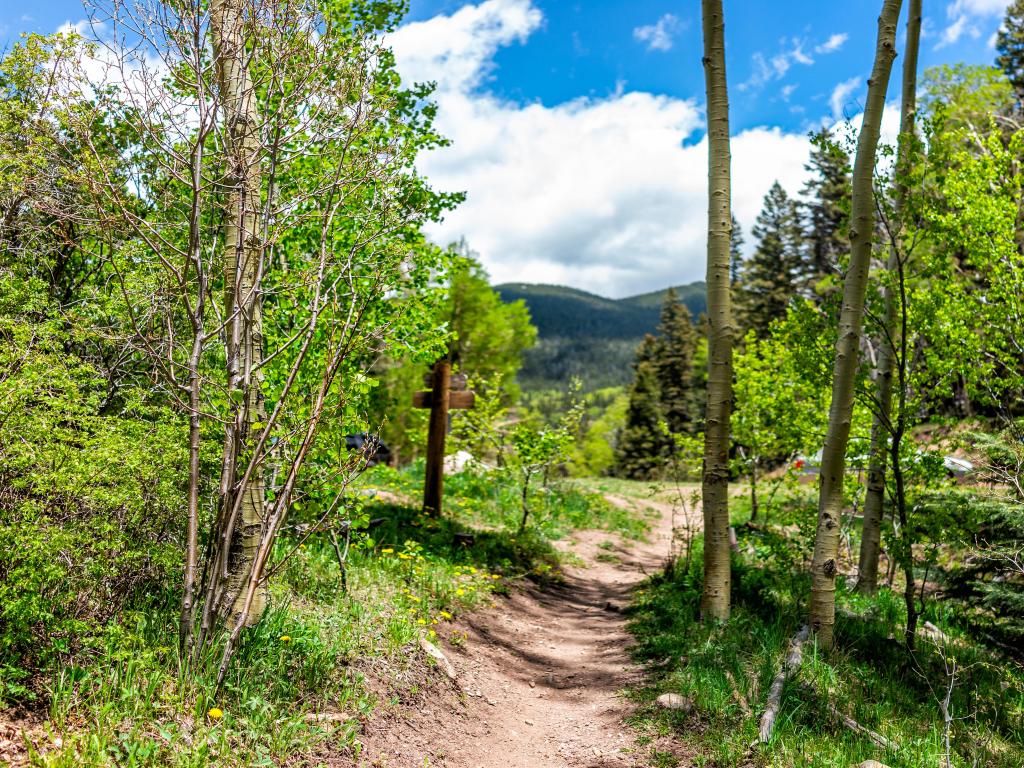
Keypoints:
pixel 541 672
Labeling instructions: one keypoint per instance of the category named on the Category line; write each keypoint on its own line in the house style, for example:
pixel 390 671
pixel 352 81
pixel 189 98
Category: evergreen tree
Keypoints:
pixel 735 251
pixel 826 213
pixel 769 278
pixel 675 349
pixel 1010 45
pixel 643 445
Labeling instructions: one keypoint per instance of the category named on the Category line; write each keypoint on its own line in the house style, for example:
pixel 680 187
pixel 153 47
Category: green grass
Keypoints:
pixel 727 669
pixel 321 659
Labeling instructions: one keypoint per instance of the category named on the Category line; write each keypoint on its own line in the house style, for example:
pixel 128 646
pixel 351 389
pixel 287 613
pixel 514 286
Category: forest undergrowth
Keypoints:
pixel 952 701
pixel 330 651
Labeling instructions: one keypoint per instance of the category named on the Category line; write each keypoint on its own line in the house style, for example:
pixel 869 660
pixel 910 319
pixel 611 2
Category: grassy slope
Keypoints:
pixel 322 659
pixel 726 671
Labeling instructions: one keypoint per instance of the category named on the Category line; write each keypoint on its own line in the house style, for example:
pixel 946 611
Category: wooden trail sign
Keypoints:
pixel 446 392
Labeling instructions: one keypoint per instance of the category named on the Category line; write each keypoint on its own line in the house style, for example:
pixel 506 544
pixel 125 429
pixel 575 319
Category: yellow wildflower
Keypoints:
pixel 387 551
pixel 421 622
pixel 286 638
pixel 460 592
pixel 445 615
pixel 215 713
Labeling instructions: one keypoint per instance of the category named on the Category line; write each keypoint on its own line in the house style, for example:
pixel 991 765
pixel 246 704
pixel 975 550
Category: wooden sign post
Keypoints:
pixel 445 392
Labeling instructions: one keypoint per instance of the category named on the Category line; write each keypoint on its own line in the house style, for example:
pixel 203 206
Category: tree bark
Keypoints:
pixel 881 427
pixel 715 477
pixel 242 500
pixel 851 321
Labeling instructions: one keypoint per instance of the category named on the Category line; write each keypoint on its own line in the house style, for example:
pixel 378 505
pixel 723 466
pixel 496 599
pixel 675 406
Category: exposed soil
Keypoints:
pixel 540 675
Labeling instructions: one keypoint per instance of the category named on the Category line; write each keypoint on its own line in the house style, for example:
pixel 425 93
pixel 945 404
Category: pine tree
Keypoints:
pixel 769 278
pixel 643 445
pixel 735 251
pixel 826 213
pixel 1010 45
pixel 676 346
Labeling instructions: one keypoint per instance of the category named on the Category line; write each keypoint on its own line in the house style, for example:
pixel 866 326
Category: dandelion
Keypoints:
pixel 286 638
pixel 495 576
pixel 421 622
pixel 215 713
pixel 387 551
pixel 460 592
pixel 445 615
pixel 404 556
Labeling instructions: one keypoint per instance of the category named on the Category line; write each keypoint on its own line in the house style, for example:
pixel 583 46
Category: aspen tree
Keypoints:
pixel 851 321
pixel 242 497
pixel 881 427
pixel 715 477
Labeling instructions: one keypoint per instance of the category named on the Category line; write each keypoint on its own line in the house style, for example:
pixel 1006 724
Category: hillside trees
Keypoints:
pixel 275 270
pixel 486 339
pixel 769 278
pixel 676 346
pixel 1010 46
pixel 715 477
pixel 847 354
pixel 826 214
pixel 644 442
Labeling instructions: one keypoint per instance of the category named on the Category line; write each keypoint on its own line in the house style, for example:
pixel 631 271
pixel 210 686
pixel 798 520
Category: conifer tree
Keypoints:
pixel 643 444
pixel 826 213
pixel 769 278
pixel 735 251
pixel 675 349
pixel 1010 45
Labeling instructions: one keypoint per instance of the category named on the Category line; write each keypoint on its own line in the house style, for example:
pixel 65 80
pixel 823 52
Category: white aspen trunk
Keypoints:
pixel 242 303
pixel 715 477
pixel 881 427
pixel 851 320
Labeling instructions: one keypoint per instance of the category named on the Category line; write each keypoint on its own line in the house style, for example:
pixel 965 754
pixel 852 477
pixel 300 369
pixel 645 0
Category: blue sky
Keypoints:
pixel 577 127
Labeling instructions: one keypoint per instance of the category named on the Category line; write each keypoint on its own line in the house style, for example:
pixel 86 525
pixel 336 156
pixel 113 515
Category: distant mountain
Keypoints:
pixel 582 334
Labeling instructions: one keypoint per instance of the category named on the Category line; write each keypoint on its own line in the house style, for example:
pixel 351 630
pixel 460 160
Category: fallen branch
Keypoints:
pixel 790 665
pixel 876 738
pixel 738 697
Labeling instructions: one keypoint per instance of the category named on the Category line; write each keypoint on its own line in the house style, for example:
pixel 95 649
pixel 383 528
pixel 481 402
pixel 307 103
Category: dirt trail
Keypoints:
pixel 541 672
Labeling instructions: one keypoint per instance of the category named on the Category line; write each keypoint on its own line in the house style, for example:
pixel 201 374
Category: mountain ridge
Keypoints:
pixel 586 335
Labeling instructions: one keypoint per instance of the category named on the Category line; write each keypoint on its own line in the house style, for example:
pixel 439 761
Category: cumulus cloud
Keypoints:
pixel 841 95
pixel 833 44
pixel 605 194
pixel 964 17
pixel 658 36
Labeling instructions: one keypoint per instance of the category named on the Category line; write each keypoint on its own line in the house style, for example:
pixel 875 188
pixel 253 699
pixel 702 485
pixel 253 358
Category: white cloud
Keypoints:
pixel 457 50
pixel 833 44
pixel 964 16
pixel 597 193
pixel 775 68
pixel 841 95
pixel 658 36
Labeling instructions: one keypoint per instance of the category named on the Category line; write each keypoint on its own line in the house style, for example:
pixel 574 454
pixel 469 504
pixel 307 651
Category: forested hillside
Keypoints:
pixel 587 336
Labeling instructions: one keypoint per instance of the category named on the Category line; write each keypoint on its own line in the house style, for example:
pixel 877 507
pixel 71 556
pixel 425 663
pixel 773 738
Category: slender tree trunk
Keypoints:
pixel 715 476
pixel 753 490
pixel 242 502
pixel 833 464
pixel 881 427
